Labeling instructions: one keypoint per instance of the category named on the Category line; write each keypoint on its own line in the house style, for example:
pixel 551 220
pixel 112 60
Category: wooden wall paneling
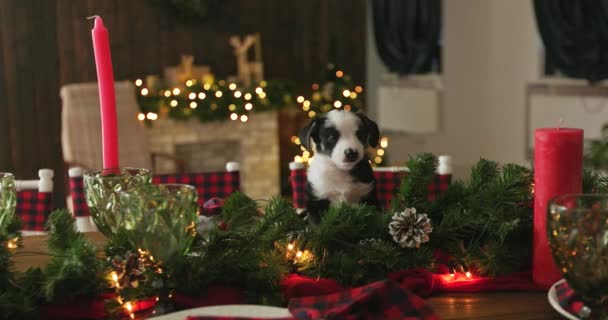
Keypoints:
pixel 40 51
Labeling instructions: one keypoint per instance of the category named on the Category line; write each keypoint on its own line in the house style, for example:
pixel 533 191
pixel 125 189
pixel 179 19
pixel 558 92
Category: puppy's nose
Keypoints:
pixel 350 155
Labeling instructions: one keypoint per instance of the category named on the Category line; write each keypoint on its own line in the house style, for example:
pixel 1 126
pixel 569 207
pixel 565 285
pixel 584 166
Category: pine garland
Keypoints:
pixel 483 223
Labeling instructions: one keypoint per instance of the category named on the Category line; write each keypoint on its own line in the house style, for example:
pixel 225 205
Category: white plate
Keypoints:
pixel 235 310
pixel 554 302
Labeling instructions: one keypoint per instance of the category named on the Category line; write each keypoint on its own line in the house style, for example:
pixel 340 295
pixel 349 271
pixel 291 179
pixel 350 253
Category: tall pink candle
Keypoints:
pixel 107 97
pixel 558 169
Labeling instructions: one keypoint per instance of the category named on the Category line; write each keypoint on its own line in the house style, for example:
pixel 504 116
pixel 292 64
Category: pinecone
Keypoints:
pixel 410 229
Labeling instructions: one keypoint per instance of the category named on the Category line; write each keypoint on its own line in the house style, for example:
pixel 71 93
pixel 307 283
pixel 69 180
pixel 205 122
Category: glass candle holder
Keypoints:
pixel 160 219
pixel 102 188
pixel 577 227
pixel 8 198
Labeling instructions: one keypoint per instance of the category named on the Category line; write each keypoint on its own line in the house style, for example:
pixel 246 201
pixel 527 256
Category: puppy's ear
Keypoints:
pixel 373 133
pixel 310 132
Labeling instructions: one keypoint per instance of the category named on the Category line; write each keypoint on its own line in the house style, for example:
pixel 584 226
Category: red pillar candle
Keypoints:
pixel 107 97
pixel 558 169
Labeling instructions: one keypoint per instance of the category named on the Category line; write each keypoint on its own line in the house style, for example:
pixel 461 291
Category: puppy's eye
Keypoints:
pixel 333 136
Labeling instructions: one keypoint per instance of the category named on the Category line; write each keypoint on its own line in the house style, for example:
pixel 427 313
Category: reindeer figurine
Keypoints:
pixel 248 71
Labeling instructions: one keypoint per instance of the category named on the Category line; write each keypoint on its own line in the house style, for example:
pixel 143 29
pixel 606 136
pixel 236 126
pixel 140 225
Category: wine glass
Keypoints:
pixel 101 192
pixel 577 226
pixel 8 198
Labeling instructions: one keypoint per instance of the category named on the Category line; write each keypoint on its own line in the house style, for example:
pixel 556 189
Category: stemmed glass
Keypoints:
pixel 160 222
pixel 577 227
pixel 101 192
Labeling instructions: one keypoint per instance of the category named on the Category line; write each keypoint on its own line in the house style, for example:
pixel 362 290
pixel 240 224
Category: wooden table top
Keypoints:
pixel 495 305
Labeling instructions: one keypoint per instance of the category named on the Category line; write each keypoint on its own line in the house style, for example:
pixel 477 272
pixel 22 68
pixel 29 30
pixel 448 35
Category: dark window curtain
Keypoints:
pixel 575 35
pixel 407 34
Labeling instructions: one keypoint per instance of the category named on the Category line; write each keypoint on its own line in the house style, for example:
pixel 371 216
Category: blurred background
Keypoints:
pixel 468 78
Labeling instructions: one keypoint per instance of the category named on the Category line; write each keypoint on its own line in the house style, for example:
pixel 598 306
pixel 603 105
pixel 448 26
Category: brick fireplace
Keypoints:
pixel 208 146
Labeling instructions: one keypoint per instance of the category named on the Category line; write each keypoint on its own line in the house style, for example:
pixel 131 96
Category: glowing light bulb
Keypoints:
pixel 244 118
pixel 234 116
pixel 297 141
pixel 299 254
pixel 353 95
pixel 237 94
pixel 300 99
pixel 189 83
pixel 173 103
pixel 290 246
pixel 202 95
pixel 141 117
pixel 297 159
pixel 358 89
pixel 167 93
pixel 192 96
pixel 380 152
pixel 206 86
pixel 232 86
pixel 377 160
pixel 263 84
pixel 346 93
pixel 248 106
pixel 139 82
pixel 218 94
pixel 128 306
pixel 176 91
pixel 347 107
pixel 262 95
pixel 193 105
pixel 337 104
pixel 248 96
pixel 339 73
pixel 311 114
pixel 11 244
pixel 468 274
pixel 144 92
pixel 149 116
pixel 259 90
pixel 384 142
pixel 232 107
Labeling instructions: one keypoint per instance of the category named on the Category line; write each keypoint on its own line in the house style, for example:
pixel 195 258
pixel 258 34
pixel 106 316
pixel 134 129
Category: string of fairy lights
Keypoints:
pixel 337 92
pixel 205 100
pixel 210 100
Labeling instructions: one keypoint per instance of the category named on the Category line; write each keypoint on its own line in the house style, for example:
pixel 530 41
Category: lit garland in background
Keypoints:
pixel 336 91
pixel 208 100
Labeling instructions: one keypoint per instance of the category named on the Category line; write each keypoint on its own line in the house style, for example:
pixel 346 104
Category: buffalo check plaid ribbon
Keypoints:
pixel 378 300
pixel 387 185
pixel 79 204
pixel 208 185
pixel 33 208
pixel 571 301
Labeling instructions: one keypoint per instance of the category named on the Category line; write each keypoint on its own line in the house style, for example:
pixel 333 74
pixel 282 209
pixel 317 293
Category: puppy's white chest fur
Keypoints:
pixel 336 185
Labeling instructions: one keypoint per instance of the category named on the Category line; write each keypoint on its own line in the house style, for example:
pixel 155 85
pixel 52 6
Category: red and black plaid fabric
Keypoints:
pixel 378 300
pixel 79 204
pixel 33 208
pixel 387 185
pixel 298 187
pixel 208 185
pixel 571 301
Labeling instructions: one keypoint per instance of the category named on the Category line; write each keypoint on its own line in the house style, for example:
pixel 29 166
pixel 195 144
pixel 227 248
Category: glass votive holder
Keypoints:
pixel 102 188
pixel 8 198
pixel 577 227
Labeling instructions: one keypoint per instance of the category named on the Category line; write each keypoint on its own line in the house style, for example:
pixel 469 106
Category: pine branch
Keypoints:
pixel 414 187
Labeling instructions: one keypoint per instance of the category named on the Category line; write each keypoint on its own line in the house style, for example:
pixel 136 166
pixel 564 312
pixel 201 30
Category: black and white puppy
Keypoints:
pixel 340 170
